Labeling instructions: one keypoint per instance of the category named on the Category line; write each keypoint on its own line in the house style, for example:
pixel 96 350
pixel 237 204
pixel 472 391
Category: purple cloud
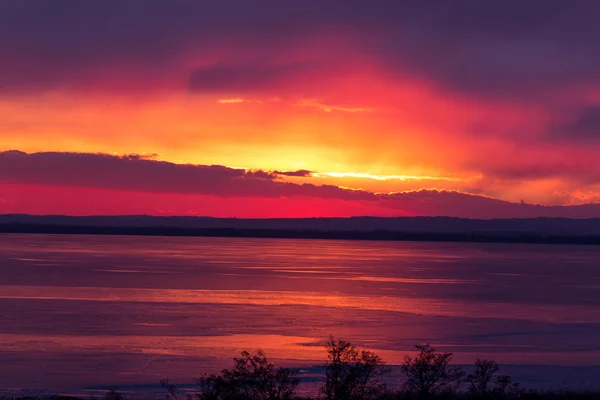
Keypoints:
pixel 134 173
pixel 302 173
pixel 141 174
pixel 584 127
pixel 509 50
pixel 243 77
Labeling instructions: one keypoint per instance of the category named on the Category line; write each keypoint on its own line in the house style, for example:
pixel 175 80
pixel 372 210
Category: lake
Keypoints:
pixel 79 314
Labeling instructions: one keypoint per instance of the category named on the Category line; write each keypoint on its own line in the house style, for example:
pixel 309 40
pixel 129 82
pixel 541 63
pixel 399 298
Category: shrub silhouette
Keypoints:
pixel 352 374
pixel 252 377
pixel 480 381
pixel 504 386
pixel 430 373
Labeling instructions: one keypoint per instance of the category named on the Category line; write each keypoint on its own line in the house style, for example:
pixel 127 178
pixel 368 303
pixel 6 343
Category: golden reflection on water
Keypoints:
pixel 417 306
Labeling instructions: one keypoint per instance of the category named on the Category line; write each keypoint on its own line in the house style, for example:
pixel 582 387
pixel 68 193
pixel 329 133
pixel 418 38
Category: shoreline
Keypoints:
pixel 266 233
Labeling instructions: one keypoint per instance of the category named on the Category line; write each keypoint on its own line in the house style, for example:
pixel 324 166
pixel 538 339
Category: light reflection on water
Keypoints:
pixel 336 300
pixel 79 311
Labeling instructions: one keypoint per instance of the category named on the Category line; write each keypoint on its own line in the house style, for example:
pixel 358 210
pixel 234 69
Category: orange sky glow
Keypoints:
pixel 324 98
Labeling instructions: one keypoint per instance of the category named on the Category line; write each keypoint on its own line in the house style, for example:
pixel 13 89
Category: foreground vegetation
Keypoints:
pixel 356 374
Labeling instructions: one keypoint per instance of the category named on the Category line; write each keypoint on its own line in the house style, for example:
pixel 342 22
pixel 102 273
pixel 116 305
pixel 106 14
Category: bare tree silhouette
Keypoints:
pixel 172 391
pixel 252 377
pixel 352 374
pixel 430 373
pixel 480 380
pixel 504 386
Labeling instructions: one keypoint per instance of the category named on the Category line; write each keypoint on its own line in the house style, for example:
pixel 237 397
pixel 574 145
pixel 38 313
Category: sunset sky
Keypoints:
pixel 271 108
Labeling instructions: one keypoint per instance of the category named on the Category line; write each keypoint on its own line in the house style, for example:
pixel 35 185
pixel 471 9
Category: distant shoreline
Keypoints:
pixel 376 235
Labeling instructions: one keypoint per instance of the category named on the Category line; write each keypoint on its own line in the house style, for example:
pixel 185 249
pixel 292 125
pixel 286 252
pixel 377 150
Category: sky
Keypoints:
pixel 308 108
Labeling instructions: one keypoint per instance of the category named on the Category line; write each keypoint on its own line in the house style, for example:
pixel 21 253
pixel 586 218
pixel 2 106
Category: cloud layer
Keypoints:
pixel 132 175
pixel 508 48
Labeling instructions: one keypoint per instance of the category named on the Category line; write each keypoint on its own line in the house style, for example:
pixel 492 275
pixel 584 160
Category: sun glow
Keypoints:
pixel 229 101
pixel 384 177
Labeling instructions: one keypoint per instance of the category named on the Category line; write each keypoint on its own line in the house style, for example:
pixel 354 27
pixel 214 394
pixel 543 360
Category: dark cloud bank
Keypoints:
pixel 142 174
pixel 584 127
pixel 515 49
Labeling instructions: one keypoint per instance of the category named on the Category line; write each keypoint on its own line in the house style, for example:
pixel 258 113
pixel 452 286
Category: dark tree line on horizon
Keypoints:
pixel 281 233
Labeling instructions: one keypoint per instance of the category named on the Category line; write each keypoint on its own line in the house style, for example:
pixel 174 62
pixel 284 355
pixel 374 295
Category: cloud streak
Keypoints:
pixel 301 173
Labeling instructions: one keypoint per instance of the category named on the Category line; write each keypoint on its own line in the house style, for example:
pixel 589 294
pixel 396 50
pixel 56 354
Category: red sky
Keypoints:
pixel 394 108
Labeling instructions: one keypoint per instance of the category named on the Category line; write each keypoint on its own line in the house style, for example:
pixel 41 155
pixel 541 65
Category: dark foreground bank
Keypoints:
pixel 527 395
pixel 475 237
pixel 352 373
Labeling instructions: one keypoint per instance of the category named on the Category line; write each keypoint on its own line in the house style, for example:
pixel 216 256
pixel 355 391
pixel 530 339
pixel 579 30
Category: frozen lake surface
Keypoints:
pixel 83 313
